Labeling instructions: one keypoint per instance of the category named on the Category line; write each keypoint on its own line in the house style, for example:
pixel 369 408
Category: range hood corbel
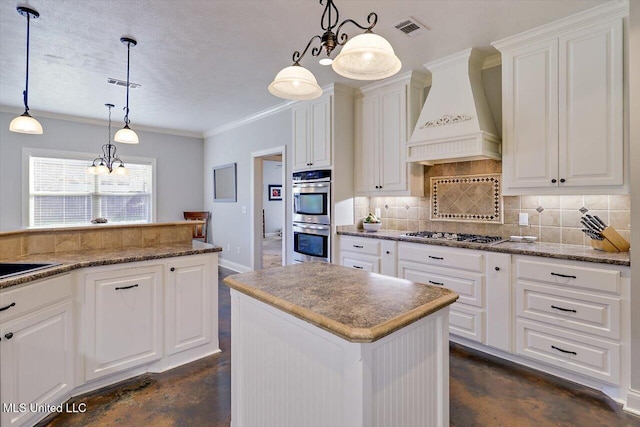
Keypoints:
pixel 455 123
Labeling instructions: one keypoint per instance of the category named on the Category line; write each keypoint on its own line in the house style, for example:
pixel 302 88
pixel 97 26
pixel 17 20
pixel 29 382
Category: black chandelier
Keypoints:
pixel 107 163
pixel 367 56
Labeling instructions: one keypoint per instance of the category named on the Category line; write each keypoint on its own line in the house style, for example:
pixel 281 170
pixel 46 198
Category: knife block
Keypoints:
pixel 613 241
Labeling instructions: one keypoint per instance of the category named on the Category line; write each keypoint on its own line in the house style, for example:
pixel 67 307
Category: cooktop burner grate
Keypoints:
pixel 457 237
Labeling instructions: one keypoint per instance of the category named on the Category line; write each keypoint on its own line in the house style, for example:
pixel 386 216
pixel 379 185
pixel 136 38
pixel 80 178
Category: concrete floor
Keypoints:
pixel 485 391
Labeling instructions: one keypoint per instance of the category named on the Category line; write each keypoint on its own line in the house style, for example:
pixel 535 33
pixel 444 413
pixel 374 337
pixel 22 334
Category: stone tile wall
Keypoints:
pixel 33 242
pixel 558 220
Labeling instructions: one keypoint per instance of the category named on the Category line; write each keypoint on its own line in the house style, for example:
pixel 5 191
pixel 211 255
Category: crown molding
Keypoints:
pixel 492 61
pixel 251 118
pixel 99 122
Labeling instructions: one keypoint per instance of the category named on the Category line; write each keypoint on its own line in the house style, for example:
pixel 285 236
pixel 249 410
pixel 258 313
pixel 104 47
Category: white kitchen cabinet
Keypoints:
pixel 562 88
pixel 123 324
pixel 569 315
pixel 385 117
pixel 36 347
pixel 190 302
pixel 372 255
pixel 312 134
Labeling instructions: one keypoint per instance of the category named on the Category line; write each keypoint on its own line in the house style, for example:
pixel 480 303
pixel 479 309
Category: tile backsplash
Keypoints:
pixel 553 219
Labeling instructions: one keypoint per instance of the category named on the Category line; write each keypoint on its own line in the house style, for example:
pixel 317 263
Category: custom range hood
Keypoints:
pixel 455 123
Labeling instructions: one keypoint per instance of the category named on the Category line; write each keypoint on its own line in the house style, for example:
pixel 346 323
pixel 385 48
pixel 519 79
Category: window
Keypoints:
pixel 62 193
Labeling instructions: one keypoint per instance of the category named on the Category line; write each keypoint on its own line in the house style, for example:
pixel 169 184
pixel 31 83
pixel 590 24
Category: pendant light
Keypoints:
pixel 126 135
pixel 25 123
pixel 106 164
pixel 367 56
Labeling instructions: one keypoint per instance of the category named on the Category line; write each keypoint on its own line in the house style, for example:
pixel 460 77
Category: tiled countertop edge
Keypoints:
pixel 549 250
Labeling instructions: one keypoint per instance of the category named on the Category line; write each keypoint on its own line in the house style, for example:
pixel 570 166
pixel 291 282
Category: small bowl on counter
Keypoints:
pixel 523 239
pixel 372 226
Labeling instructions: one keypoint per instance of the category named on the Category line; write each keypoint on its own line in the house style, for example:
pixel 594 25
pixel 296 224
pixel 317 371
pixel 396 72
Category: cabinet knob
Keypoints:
pixel 172 269
pixel 9 335
pixel 388 252
pixel 497 268
pixel 562 180
pixel 553 181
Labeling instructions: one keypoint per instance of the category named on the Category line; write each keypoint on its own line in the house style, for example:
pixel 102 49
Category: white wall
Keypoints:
pixel 229 226
pixel 179 167
pixel 271 174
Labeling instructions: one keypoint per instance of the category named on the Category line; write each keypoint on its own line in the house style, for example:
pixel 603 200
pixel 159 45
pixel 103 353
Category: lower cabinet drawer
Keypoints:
pixel 360 245
pixel 579 311
pixel 371 265
pixel 589 356
pixel 467 322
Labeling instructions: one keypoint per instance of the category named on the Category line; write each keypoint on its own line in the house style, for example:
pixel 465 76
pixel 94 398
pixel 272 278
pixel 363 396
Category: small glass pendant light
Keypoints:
pixel 25 123
pixel 126 135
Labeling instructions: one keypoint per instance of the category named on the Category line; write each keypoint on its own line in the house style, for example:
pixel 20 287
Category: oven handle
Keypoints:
pixel 311 226
pixel 312 185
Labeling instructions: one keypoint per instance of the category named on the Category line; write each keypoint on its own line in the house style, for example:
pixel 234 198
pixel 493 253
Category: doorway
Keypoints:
pixel 268 210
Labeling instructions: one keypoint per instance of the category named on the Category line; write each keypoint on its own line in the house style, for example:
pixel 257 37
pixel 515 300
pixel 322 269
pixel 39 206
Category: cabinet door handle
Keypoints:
pixel 388 252
pixel 553 181
pixel 562 180
pixel 7 307
pixel 9 335
pixel 357 266
pixel 435 257
pixel 358 246
pixel 564 351
pixel 563 275
pixel 127 287
pixel 563 309
pixel 497 268
pixel 436 283
pixel 172 269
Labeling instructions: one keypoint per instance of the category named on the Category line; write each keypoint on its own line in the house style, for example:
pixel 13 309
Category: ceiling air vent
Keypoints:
pixel 410 27
pixel 122 83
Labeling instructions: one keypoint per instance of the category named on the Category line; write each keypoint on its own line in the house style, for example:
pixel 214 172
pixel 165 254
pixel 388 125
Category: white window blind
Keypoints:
pixel 62 193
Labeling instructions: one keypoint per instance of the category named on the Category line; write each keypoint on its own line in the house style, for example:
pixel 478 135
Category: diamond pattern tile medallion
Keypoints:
pixel 469 198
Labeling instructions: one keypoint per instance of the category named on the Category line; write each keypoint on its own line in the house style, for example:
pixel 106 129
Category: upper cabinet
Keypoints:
pixel 385 116
pixel 562 88
pixel 323 130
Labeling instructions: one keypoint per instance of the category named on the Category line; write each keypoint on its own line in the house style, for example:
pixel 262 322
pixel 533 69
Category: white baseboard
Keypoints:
pixel 633 402
pixel 240 268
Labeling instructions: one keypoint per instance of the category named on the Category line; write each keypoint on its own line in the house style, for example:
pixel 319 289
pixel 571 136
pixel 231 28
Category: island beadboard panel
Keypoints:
pixel 553 219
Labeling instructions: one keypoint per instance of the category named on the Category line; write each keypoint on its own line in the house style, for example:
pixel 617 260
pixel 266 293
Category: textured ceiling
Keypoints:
pixel 205 63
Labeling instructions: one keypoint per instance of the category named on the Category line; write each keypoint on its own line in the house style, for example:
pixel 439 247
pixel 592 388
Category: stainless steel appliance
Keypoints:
pixel 311 242
pixel 312 216
pixel 457 237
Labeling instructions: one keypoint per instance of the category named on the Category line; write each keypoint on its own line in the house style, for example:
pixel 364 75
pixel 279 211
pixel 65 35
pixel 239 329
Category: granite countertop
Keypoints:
pixel 548 250
pixel 352 304
pixel 73 260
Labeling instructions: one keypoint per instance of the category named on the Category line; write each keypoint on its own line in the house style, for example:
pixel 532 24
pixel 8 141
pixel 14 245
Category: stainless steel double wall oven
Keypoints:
pixel 312 216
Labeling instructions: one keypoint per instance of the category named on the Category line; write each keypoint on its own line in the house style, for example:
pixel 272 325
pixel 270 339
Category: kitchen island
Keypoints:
pixel 318 344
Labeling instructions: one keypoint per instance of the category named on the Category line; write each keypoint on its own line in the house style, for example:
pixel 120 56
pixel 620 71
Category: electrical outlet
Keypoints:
pixel 523 218
pixel 228 247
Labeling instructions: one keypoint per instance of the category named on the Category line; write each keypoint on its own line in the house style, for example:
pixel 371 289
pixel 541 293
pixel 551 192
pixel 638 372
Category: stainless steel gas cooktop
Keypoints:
pixel 456 237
